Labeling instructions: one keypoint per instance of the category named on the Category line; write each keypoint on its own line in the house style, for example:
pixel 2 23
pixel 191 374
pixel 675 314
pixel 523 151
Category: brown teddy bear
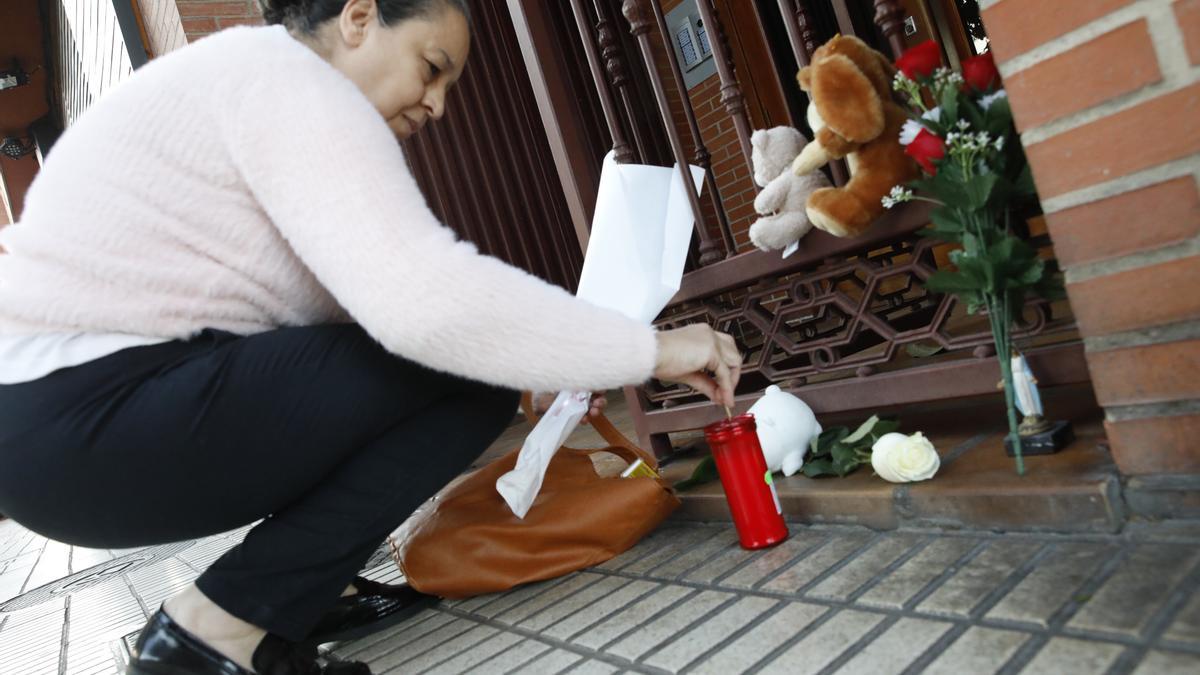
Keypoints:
pixel 852 115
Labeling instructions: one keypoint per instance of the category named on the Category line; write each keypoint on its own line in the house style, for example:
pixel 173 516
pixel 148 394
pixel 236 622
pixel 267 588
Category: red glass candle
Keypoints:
pixel 749 489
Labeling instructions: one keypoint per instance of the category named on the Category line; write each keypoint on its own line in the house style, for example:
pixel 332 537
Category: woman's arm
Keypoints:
pixel 325 168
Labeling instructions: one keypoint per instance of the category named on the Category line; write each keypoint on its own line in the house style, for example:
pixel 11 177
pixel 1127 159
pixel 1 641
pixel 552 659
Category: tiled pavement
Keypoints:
pixel 687 599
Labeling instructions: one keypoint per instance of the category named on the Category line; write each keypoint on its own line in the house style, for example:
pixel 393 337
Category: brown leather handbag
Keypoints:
pixel 467 542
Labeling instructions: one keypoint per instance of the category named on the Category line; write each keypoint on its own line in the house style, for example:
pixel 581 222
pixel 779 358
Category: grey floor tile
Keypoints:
pixel 1186 627
pixel 825 644
pixel 461 645
pixel 1052 583
pixel 774 559
pixel 959 594
pixel 1168 663
pixel 677 545
pixel 667 626
pixel 404 652
pixel 1068 656
pixel 549 599
pixel 643 548
pixel 491 606
pixel 594 668
pixel 375 646
pixel 897 588
pixel 702 638
pixel 550 663
pixel 600 609
pixel 579 601
pixel 869 564
pixel 723 542
pixel 52 565
pixel 632 616
pixel 979 651
pixel 720 565
pixel 512 658
pixel 762 639
pixel 1127 600
pixel 897 647
pixel 812 566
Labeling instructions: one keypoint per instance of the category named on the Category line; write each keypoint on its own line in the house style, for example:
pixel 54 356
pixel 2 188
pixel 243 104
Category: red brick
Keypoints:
pixel 1187 13
pixel 199 25
pixel 1156 445
pixel 1149 134
pixel 1148 296
pixel 212 9
pixel 229 22
pixel 1016 26
pixel 1115 63
pixel 1159 215
pixel 1148 374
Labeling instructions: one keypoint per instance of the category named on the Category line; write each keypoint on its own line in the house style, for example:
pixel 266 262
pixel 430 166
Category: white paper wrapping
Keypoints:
pixel 638 245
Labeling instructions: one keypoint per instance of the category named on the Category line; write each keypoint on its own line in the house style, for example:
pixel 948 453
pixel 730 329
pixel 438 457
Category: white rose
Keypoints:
pixel 903 459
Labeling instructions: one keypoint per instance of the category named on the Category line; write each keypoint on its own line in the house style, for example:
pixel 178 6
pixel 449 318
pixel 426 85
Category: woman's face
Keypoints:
pixel 406 70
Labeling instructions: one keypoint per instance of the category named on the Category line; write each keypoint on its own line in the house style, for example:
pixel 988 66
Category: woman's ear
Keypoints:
pixel 355 19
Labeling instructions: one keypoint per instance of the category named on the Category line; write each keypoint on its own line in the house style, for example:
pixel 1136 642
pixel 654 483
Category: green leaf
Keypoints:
pixel 919 350
pixel 705 472
pixel 829 438
pixel 1024 185
pixel 814 468
pixel 862 430
pixel 884 428
pixel 978 190
pixel 952 282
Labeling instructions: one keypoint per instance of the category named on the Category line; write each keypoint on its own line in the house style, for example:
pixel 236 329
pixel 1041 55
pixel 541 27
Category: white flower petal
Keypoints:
pixel 909 131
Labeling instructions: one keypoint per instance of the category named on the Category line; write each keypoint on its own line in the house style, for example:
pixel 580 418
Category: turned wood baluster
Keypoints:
pixel 799 29
pixel 623 152
pixel 731 91
pixel 803 36
pixel 618 77
pixel 889 16
pixel 640 23
pixel 702 157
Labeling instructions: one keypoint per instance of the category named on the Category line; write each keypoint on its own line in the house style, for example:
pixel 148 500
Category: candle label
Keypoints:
pixel 774 495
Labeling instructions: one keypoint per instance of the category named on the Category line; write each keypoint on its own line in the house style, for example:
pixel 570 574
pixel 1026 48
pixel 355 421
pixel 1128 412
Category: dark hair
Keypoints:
pixel 306 15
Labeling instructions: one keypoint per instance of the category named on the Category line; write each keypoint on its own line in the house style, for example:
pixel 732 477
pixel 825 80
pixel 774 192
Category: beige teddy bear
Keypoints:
pixel 780 205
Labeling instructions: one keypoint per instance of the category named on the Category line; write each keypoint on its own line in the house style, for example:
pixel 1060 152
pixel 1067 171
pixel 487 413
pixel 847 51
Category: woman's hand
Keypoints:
pixel 701 358
pixel 543 399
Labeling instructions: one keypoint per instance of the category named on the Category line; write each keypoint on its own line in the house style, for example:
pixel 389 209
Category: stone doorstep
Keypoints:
pixel 1074 490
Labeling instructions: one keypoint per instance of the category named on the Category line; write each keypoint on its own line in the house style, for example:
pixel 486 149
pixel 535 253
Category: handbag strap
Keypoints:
pixel 620 444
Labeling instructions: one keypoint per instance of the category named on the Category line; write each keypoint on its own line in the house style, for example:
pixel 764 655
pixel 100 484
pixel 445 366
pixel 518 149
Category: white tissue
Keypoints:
pixel 636 251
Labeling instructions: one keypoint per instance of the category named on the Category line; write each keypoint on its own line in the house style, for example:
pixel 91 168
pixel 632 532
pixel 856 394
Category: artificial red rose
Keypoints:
pixel 925 148
pixel 979 72
pixel 919 62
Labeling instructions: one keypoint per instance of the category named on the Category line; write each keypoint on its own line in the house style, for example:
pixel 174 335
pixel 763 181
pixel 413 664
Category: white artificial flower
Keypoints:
pixel 932 114
pixel 899 194
pixel 904 459
pixel 987 101
pixel 963 125
pixel 909 131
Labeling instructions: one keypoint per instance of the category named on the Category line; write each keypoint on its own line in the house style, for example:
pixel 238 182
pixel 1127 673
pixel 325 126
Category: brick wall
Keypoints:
pixel 1107 98
pixel 732 175
pixel 164 29
pixel 201 17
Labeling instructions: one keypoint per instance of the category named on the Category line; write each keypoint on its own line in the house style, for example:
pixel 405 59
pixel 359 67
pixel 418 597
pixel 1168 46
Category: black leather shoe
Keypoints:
pixel 166 648
pixel 375 607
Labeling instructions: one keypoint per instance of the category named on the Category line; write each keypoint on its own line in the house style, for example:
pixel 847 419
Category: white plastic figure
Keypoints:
pixel 786 425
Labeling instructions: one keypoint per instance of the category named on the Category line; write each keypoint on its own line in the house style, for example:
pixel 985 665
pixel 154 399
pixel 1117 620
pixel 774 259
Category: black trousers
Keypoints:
pixel 319 430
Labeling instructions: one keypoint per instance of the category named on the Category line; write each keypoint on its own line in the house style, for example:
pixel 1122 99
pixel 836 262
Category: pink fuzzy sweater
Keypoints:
pixel 243 183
